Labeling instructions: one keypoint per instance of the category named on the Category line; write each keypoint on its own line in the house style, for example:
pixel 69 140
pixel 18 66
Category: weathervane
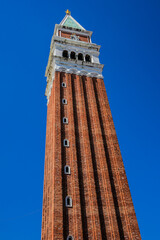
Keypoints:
pixel 68 12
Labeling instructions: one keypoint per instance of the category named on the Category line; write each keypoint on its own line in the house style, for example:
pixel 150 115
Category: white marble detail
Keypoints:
pixel 57 62
pixel 59 48
pixel 78 70
pixel 73 68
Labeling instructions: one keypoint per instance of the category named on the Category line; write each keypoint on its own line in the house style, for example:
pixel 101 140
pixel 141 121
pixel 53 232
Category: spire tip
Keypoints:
pixel 68 12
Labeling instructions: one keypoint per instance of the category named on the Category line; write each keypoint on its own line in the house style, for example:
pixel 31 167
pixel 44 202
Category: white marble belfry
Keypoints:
pixel 59 44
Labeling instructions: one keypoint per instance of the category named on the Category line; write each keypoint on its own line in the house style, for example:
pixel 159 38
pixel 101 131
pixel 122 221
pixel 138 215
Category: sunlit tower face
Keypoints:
pixel 86 193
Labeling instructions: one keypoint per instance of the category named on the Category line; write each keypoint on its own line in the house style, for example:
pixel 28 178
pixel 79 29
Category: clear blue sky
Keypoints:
pixel 129 33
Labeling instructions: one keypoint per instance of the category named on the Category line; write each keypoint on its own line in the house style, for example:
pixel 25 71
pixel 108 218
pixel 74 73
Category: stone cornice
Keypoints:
pixel 83 33
pixel 72 47
pixel 75 43
pixel 78 63
pixel 72 67
pixel 80 31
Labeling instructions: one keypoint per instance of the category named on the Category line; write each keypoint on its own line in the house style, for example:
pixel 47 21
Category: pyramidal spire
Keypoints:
pixel 69 21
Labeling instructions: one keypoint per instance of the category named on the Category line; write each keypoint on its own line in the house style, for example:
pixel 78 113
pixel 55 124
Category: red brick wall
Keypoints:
pixel 126 214
pixel 67 35
pixel 102 204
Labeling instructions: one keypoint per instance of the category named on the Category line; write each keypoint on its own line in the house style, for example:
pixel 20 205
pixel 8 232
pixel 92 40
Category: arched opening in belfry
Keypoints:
pixel 73 55
pixel 88 58
pixel 80 56
pixel 65 54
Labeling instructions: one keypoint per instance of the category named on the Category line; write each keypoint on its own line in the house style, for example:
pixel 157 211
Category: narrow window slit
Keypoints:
pixel 70 237
pixel 65 120
pixel 64 101
pixel 68 201
pixel 66 143
pixel 67 170
pixel 63 84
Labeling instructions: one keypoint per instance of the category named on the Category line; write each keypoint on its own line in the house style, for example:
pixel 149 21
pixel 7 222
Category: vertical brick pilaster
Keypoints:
pixel 123 201
pixel 109 227
pixel 52 164
pixel 47 217
pixel 91 208
pixel 65 155
pixel 58 201
pixel 75 225
pixel 79 159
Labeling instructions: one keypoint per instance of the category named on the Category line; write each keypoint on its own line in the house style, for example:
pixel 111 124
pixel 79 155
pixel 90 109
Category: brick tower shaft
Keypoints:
pixel 86 193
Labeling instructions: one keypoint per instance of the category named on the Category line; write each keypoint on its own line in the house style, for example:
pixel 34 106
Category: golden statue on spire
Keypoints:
pixel 68 12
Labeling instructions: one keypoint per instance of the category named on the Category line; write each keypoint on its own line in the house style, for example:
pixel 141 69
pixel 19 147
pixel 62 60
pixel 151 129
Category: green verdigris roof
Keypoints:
pixel 71 23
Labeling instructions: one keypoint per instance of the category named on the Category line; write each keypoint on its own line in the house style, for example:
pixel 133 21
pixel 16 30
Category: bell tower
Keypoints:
pixel 86 193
